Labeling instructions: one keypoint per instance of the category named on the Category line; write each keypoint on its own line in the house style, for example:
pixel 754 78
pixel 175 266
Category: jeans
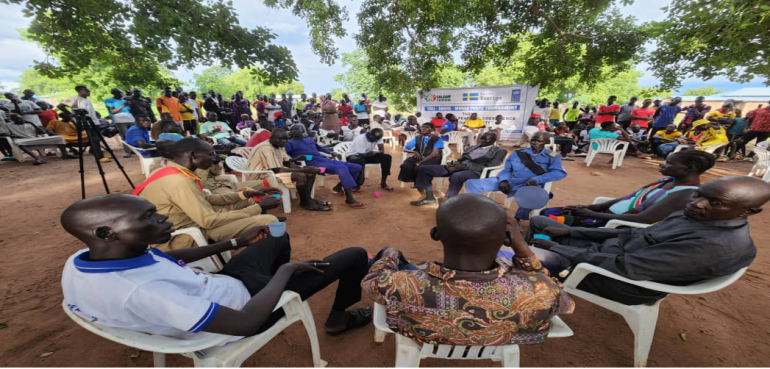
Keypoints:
pixel 667 148
pixel 237 140
pixel 256 265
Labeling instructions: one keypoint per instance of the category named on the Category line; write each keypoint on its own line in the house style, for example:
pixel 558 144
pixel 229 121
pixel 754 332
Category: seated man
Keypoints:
pixel 299 148
pixel 352 130
pixel 271 156
pixel 139 136
pixel 713 134
pixel 219 131
pixel 118 282
pixel 171 131
pixel 29 136
pixel 709 239
pixel 363 152
pixel 469 166
pixel 157 128
pixel 471 298
pixel 534 166
pixel 177 192
pixel 668 136
pixel 68 131
pixel 609 130
pixel 639 137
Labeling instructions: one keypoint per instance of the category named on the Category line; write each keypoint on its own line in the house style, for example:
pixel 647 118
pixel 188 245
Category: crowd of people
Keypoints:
pixel 134 274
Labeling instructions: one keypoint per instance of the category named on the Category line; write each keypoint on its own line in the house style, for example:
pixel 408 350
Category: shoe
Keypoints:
pixel 722 158
pixel 281 219
pixel 8 158
pixel 127 155
pixel 105 160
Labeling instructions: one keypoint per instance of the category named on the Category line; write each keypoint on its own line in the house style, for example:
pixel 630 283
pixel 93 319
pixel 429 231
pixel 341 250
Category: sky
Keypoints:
pixel 292 33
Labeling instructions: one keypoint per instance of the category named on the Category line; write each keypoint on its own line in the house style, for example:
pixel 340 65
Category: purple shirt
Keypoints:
pixel 241 107
pixel 690 115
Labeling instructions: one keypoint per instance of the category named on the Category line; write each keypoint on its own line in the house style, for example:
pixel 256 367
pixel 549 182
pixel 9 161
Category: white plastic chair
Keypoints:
pixel 145 163
pixel 709 149
pixel 456 138
pixel 206 350
pixel 17 153
pixel 552 145
pixel 241 165
pixel 616 148
pixel 642 319
pixel 389 138
pixel 761 164
pixel 246 133
pixel 409 353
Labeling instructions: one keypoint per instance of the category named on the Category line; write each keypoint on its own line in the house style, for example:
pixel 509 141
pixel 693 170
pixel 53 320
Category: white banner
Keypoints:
pixel 513 102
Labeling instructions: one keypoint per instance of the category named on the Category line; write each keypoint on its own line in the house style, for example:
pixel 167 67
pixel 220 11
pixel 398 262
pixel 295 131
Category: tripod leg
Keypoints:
pixel 80 159
pixel 112 154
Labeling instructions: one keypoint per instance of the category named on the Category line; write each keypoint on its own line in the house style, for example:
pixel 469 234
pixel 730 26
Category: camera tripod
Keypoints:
pixel 85 123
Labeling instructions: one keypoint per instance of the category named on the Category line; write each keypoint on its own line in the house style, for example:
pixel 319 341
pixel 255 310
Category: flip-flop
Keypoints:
pixel 341 194
pixel 357 192
pixel 423 202
pixel 388 188
pixel 357 205
pixel 356 319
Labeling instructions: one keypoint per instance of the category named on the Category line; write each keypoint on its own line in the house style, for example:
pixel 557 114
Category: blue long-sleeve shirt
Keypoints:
pixel 304 146
pixel 516 173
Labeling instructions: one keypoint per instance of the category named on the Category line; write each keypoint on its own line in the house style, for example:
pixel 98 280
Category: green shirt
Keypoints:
pixel 572 115
pixel 209 128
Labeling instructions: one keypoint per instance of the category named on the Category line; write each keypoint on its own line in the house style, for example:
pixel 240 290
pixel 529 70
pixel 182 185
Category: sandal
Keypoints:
pixel 388 188
pixel 357 205
pixel 341 194
pixel 356 319
pixel 357 192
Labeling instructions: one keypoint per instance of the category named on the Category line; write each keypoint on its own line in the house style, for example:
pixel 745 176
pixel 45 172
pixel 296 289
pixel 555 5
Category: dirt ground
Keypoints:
pixel 726 328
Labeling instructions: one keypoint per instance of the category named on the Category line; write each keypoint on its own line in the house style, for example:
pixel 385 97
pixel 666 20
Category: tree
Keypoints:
pixel 97 77
pixel 703 91
pixel 136 38
pixel 407 41
pixel 227 82
pixel 708 38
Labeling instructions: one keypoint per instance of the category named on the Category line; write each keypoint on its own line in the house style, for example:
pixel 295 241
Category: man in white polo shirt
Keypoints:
pixel 363 151
pixel 118 282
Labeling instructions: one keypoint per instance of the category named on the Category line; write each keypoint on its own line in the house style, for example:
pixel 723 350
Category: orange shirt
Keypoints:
pixel 169 105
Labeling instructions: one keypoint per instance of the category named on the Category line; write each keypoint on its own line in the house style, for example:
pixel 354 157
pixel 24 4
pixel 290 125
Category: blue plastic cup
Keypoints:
pixel 541 237
pixel 277 229
pixel 308 157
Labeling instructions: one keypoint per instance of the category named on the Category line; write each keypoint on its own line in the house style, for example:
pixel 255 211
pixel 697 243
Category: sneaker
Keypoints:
pixel 8 158
pixel 722 158
pixel 105 160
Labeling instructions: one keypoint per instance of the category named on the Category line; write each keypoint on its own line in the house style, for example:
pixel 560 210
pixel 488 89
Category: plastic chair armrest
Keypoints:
pixel 584 269
pixel 232 178
pixel 615 223
pixel 600 199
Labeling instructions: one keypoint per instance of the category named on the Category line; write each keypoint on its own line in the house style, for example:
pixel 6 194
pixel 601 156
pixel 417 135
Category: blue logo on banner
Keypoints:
pixel 473 108
pixel 516 95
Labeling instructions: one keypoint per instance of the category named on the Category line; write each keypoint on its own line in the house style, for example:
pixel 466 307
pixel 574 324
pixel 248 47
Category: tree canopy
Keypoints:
pixel 702 91
pixel 707 38
pixel 226 81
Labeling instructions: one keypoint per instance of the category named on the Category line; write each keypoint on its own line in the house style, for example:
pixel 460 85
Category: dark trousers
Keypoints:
pixel 95 142
pixel 190 126
pixel 565 144
pixel 257 264
pixel 384 160
pixel 625 124
pixel 426 173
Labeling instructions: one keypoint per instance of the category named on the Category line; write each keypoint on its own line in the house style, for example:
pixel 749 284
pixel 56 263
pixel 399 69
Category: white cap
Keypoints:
pixel 657 99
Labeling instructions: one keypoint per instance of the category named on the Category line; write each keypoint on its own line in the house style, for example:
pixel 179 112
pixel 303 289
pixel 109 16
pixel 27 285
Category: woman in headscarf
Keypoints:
pixel 331 120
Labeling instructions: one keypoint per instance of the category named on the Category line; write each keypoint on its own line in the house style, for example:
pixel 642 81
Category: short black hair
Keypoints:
pixel 700 160
pixel 427 125
pixel 186 145
pixel 165 126
pixel 607 124
pixel 613 97
pixel 80 87
pixel 141 116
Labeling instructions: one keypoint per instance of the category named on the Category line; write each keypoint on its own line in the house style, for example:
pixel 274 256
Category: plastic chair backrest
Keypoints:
pixel 135 149
pixel 342 147
pixel 237 163
pixel 456 137
pixel 605 144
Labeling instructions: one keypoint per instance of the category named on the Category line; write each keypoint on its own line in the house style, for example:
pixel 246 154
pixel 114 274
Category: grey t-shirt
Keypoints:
pixel 625 112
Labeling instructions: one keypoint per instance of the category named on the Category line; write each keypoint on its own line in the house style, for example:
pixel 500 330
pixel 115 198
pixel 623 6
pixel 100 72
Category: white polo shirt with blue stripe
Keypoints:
pixel 151 293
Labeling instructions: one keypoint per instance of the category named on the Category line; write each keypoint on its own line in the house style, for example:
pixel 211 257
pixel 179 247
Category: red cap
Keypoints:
pixel 535 115
pixel 277 114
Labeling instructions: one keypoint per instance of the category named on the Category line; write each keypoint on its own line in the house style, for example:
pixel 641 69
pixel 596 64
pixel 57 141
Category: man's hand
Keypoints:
pixel 310 266
pixel 505 187
pixel 336 155
pixel 531 182
pixel 582 212
pixel 270 202
pixel 543 244
pixel 370 154
pixel 263 192
pixel 251 236
pixel 299 158
pixel 556 232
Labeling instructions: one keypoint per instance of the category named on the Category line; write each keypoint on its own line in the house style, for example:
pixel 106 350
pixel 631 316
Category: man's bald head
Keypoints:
pixel 728 198
pixel 118 222
pixel 471 224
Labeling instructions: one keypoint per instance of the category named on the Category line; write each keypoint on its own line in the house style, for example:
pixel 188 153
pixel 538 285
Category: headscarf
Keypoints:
pixel 700 122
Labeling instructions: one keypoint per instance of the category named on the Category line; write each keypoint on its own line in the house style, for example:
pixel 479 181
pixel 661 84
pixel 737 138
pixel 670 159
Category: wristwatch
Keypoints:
pixel 234 243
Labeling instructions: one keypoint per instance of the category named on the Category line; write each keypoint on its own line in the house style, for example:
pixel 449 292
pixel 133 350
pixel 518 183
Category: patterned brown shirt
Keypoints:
pixel 507 305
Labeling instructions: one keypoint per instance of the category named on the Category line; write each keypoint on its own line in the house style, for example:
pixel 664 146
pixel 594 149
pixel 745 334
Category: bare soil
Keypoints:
pixel 726 328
